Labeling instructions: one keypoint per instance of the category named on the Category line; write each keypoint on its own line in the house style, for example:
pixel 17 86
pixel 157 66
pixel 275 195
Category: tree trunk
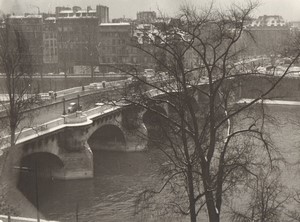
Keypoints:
pixel 213 215
pixel 192 206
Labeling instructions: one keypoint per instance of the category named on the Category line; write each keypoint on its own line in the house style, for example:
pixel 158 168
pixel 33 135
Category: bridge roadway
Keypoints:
pixel 66 137
pixel 74 119
pixel 53 108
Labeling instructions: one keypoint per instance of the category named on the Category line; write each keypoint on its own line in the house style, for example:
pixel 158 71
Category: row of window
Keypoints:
pixel 114 50
pixel 113 34
pixel 117 42
pixel 50 43
pixel 50 52
pixel 50 35
pixel 131 59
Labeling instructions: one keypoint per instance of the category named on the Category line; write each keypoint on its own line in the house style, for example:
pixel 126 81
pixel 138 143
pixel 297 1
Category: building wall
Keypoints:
pixel 76 42
pixel 50 51
pixel 266 35
pixel 113 45
pixel 31 28
pixel 102 12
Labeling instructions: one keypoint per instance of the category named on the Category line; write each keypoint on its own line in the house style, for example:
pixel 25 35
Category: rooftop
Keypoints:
pixel 268 20
pixel 50 18
pixel 66 11
pixel 85 11
pixel 115 24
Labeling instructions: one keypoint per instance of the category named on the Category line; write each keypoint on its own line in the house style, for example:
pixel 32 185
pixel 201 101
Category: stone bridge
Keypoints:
pixel 66 142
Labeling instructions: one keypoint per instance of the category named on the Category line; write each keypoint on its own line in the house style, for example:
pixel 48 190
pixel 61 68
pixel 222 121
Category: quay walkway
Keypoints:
pixel 4 218
pixel 271 102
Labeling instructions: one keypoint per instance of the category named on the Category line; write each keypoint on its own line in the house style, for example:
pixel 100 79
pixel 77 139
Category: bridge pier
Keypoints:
pixel 77 165
pixel 77 156
pixel 136 139
pixel 135 131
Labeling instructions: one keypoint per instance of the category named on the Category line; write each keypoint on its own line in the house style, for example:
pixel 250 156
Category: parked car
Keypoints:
pixel 99 104
pixel 73 107
pixel 43 96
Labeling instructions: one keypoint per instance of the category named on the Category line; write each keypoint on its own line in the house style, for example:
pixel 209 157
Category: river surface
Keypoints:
pixel 110 196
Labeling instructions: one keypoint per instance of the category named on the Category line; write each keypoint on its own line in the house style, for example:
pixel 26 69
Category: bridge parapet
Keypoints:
pixel 77 117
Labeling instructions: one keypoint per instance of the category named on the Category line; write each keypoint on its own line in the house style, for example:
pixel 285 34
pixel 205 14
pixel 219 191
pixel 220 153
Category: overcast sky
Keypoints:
pixel 289 9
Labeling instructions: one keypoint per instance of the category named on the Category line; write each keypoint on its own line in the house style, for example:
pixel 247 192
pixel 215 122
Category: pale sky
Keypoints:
pixel 289 9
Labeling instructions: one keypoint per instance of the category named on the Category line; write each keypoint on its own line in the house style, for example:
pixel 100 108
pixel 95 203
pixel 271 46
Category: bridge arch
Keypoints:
pixel 152 116
pixel 108 137
pixel 46 164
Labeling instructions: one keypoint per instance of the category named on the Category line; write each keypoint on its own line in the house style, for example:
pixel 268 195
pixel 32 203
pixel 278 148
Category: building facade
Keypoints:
pixel 31 28
pixel 76 42
pixel 114 45
pixel 102 12
pixel 265 35
pixel 50 50
pixel 146 17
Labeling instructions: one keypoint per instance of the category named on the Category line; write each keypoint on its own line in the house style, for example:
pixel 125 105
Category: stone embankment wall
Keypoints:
pixel 287 89
pixel 56 83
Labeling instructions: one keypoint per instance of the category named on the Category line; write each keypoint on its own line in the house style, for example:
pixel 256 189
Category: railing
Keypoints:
pixel 74 118
pixel 33 132
pixel 77 117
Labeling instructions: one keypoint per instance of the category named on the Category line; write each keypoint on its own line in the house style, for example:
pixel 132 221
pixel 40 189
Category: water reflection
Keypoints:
pixel 110 195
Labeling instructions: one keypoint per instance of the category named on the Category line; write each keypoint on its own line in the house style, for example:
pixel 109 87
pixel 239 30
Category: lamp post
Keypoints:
pixel 78 96
pixel 64 106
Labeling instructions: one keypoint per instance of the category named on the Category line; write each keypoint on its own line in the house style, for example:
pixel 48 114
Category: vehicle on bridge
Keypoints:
pixel 73 107
pixel 149 73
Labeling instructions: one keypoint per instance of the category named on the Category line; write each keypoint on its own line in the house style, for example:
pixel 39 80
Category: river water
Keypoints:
pixel 110 196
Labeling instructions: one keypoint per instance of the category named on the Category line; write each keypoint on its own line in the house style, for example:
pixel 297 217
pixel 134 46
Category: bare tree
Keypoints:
pixel 266 201
pixel 15 63
pixel 213 146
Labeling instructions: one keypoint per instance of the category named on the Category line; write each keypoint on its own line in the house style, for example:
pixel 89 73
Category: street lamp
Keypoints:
pixel 78 96
pixel 64 106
